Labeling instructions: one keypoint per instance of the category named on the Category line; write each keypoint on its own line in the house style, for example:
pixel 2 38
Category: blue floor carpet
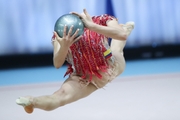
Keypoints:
pixel 51 74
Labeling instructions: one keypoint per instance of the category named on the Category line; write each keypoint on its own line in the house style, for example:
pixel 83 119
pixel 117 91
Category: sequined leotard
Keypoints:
pixel 89 55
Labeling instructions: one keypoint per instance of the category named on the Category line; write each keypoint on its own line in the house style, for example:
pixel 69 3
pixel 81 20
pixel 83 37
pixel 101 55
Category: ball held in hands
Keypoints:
pixel 69 20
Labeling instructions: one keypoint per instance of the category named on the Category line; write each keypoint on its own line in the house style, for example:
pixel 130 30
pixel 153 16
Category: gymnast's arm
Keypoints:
pixel 112 30
pixel 61 45
pixel 59 54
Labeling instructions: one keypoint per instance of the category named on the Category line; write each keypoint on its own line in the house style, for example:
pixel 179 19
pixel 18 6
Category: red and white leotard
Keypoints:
pixel 89 55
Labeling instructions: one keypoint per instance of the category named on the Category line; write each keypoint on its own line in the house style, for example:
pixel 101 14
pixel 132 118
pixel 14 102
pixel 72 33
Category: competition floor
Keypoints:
pixel 147 90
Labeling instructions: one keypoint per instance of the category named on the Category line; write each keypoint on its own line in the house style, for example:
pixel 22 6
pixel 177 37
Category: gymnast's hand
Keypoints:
pixel 85 17
pixel 67 39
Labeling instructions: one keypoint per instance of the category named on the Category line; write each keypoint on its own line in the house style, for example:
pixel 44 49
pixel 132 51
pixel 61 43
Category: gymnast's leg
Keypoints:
pixel 117 46
pixel 70 91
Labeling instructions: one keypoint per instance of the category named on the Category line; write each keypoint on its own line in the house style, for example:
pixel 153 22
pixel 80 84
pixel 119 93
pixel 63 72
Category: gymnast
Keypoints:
pixel 93 63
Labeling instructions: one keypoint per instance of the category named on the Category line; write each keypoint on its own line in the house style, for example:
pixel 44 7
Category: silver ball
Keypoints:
pixel 69 20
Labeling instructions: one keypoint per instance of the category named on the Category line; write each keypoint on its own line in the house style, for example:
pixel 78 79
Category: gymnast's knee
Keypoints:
pixel 63 97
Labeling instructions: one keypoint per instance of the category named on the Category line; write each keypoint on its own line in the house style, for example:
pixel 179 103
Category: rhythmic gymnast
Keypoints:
pixel 93 63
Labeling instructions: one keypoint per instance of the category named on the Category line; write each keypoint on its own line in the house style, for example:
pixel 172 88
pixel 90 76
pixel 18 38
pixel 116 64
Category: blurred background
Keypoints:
pixel 27 26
